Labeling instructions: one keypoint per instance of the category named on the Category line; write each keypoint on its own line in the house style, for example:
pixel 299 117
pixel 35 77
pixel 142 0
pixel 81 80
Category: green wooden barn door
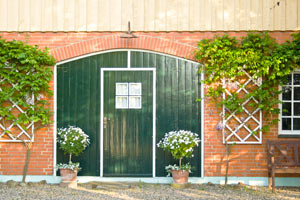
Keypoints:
pixel 127 123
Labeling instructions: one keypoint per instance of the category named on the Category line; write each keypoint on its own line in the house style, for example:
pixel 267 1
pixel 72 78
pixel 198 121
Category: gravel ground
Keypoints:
pixel 137 191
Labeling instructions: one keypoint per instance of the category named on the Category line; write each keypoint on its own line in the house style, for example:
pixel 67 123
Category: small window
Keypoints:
pixel 128 95
pixel 290 108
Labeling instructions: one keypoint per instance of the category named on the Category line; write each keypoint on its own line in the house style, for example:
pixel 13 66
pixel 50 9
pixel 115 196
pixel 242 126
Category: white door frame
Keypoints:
pixel 102 113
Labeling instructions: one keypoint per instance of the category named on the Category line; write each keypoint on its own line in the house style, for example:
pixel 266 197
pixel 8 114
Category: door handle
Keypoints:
pixel 105 119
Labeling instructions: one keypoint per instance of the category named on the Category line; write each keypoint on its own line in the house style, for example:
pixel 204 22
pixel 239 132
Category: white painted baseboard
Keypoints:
pixel 259 181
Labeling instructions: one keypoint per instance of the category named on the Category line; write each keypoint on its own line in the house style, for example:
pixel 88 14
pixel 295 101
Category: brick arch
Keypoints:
pixel 114 41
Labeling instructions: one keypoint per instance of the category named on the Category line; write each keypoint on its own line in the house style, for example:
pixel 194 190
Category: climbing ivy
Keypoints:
pixel 23 75
pixel 224 58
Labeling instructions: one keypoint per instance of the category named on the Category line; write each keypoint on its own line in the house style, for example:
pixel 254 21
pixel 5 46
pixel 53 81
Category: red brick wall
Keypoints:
pixel 247 160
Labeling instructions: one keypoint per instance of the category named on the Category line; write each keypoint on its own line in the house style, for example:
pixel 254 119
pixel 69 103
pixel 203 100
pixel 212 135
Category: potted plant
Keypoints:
pixel 72 141
pixel 180 144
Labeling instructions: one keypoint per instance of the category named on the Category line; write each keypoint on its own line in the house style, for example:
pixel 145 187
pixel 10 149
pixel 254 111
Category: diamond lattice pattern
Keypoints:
pixel 243 127
pixel 17 133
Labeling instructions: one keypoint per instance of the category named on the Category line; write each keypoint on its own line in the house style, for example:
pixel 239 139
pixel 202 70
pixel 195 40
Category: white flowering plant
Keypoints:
pixel 72 141
pixel 71 166
pixel 180 144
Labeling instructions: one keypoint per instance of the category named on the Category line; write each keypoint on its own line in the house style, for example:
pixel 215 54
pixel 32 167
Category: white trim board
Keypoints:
pixel 255 181
pixel 153 112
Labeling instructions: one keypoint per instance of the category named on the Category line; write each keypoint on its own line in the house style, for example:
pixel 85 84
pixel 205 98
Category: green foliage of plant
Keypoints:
pixel 180 144
pixel 72 140
pixel 224 58
pixel 24 79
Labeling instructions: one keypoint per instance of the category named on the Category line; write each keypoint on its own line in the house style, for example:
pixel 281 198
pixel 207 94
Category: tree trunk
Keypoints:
pixel 228 151
pixel 70 158
pixel 28 152
pixel 180 163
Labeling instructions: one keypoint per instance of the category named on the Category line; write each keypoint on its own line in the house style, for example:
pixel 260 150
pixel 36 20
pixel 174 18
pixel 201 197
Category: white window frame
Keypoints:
pixel 289 132
pixel 128 95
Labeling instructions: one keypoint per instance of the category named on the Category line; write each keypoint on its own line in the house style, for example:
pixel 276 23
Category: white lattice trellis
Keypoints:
pixel 18 133
pixel 242 127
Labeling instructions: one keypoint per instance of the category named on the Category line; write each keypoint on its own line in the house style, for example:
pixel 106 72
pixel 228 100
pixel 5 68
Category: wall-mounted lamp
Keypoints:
pixel 129 34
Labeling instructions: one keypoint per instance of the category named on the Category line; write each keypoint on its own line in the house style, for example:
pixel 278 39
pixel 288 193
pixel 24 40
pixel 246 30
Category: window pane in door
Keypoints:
pixel 121 102
pixel 135 89
pixel 135 102
pixel 121 88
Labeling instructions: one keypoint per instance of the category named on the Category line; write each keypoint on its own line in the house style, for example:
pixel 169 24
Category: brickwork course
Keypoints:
pixel 246 160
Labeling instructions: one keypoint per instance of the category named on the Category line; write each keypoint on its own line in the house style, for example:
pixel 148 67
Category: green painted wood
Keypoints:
pixel 78 103
pixel 127 136
pixel 178 87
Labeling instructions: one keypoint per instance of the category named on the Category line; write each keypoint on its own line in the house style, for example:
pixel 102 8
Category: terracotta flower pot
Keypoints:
pixel 180 176
pixel 69 178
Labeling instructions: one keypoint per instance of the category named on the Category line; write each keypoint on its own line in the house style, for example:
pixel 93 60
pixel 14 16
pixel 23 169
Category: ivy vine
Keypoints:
pixel 24 80
pixel 225 59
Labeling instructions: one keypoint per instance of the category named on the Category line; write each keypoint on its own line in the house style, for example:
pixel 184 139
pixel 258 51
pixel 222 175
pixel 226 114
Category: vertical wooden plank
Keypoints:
pixel 58 15
pixel 138 15
pixel 256 15
pixel 47 15
pixel 160 107
pixel 103 15
pixel 182 93
pixel 24 15
pixel 171 15
pixel 127 14
pixel 13 15
pixel 115 15
pixel 207 15
pixel 267 15
pixel 188 97
pixel 174 92
pixel 291 15
pixel 35 15
pixel 196 117
pixel 279 15
pixel 194 15
pixel 149 16
pixel 220 14
pixel 229 8
pixel 92 129
pixel 298 18
pixel 88 109
pixel 92 13
pixel 3 15
pixel 69 15
pixel 247 14
pixel 202 15
pixel 98 111
pixel 242 19
pixel 237 15
pixel 80 15
pixel 160 15
pixel 183 15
